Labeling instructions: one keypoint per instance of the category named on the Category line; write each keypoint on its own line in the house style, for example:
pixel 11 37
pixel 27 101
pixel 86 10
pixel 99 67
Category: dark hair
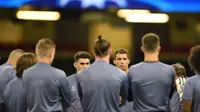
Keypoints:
pixel 101 47
pixel 121 51
pixel 150 42
pixel 82 54
pixel 194 58
pixel 25 61
pixel 179 69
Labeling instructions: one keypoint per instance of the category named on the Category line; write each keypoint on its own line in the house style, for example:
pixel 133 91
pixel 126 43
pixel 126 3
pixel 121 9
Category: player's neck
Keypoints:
pixel 126 70
pixel 151 57
pixel 44 60
pixel 11 63
pixel 105 58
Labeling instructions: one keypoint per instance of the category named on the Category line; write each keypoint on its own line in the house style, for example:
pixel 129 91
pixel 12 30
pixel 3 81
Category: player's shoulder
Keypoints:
pixel 135 66
pixel 84 73
pixel 133 69
pixel 193 81
pixel 167 69
pixel 6 67
pixel 193 78
pixel 29 70
pixel 71 77
pixel 166 65
pixel 116 70
pixel 3 65
pixel 58 72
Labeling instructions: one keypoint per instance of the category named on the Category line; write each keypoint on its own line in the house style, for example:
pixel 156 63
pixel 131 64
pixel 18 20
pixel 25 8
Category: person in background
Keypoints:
pixel 8 72
pixel 176 100
pixel 81 61
pixel 14 94
pixel 121 60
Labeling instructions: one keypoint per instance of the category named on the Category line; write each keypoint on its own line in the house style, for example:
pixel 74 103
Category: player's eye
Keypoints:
pixel 82 63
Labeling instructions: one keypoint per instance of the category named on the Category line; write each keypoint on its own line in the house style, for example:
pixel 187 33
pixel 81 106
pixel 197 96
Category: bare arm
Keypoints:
pixel 187 106
pixel 187 96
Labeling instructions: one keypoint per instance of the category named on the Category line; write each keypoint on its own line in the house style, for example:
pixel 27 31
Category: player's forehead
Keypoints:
pixel 121 55
pixel 83 60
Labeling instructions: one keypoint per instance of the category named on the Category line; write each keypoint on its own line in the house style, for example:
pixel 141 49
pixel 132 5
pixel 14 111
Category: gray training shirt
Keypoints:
pixel 14 96
pixel 128 107
pixel 100 87
pixel 75 99
pixel 192 92
pixel 7 73
pixel 46 88
pixel 151 86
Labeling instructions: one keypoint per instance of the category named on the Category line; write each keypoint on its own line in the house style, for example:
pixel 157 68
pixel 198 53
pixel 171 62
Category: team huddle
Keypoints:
pixel 28 82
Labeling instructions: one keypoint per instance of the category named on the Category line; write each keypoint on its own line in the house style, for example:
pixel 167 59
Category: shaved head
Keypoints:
pixel 14 56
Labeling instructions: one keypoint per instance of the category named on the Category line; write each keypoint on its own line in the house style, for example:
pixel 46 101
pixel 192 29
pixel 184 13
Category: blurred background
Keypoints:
pixel 75 24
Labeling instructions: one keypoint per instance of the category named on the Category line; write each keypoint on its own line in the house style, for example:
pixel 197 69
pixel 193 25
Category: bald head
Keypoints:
pixel 14 56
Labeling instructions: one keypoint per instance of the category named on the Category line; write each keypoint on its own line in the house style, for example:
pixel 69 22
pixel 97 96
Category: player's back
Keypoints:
pixel 44 87
pixel 14 96
pixel 7 73
pixel 151 84
pixel 100 86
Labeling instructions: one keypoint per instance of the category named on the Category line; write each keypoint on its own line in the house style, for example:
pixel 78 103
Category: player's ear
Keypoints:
pixel 142 49
pixel 110 51
pixel 114 61
pixel 75 64
pixel 128 61
pixel 159 48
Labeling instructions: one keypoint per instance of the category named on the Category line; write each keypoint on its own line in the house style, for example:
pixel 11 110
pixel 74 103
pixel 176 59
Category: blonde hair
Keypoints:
pixel 43 47
pixel 15 55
